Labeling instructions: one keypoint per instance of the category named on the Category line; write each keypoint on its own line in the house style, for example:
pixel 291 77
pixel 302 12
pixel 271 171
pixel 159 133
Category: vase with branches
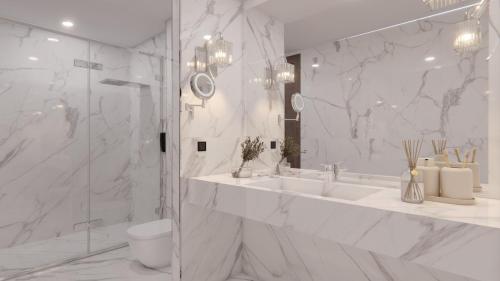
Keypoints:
pixel 250 150
pixel 288 148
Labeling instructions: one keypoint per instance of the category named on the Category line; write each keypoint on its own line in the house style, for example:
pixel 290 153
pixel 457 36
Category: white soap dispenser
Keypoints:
pixel 430 174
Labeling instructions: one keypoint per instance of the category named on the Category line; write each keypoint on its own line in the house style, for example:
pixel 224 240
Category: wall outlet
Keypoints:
pixel 273 144
pixel 202 146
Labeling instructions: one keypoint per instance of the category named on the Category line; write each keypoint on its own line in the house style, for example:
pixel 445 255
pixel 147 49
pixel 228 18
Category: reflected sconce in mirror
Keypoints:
pixel 213 54
pixel 468 37
pixel 282 72
pixel 298 105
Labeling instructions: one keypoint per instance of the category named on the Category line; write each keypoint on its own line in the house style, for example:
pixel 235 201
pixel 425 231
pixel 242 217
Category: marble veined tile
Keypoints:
pixel 31 255
pixel 114 265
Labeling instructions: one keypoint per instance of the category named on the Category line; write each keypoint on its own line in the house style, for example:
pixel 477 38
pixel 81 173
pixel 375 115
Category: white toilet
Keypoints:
pixel 151 243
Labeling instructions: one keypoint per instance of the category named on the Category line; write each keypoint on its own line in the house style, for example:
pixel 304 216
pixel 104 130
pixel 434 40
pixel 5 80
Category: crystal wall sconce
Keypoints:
pixel 213 54
pixel 220 51
pixel 282 72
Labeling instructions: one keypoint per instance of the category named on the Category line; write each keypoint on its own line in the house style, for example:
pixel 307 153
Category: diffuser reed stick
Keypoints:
pixel 413 193
pixel 439 146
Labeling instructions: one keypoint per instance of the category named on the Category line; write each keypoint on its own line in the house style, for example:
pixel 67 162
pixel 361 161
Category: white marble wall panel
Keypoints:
pixel 371 91
pixel 275 254
pixel 43 135
pixel 221 122
pixel 210 240
pixel 445 238
pixel 238 109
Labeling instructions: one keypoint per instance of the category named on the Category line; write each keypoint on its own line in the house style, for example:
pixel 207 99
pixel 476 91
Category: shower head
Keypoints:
pixel 116 82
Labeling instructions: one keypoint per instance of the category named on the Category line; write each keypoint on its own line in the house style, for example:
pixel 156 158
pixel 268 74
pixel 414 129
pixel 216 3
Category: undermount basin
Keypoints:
pixel 338 190
pixel 359 179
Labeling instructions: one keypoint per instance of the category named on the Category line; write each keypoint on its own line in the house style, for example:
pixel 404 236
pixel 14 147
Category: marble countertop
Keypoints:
pixel 486 212
pixel 443 236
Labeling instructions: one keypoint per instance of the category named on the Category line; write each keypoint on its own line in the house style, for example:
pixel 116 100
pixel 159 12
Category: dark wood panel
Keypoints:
pixel 292 128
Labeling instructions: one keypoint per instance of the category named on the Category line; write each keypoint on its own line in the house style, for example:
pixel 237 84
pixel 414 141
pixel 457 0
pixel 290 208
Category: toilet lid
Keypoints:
pixel 150 230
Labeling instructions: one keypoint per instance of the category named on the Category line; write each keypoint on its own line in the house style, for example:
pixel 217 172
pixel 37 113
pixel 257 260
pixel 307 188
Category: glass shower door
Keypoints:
pixel 43 147
pixel 127 85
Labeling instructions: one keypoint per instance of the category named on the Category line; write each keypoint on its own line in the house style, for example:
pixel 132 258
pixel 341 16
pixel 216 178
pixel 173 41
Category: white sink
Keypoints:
pixel 360 179
pixel 338 190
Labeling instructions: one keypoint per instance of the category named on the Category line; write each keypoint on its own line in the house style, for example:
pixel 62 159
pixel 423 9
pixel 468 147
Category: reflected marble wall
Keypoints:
pixel 494 95
pixel 44 134
pixel 372 91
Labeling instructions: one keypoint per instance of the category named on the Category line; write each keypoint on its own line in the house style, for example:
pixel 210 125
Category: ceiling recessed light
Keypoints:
pixel 380 102
pixel 394 106
pixel 207 37
pixel 33 58
pixel 429 59
pixel 67 23
pixel 52 39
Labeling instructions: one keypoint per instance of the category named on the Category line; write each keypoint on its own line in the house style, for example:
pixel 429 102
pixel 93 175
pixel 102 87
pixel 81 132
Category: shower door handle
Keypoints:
pixel 163 142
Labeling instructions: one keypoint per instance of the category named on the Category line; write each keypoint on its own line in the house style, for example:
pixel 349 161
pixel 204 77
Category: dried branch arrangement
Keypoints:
pixel 288 148
pixel 250 150
pixel 413 193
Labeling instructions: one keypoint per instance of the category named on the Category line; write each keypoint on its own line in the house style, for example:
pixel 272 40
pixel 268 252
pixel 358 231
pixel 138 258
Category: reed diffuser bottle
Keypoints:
pixel 412 192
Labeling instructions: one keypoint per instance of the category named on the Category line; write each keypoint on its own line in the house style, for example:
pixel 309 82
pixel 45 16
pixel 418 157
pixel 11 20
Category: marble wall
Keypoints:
pixel 53 125
pixel 494 95
pixel 371 91
pixel 211 241
pixel 271 253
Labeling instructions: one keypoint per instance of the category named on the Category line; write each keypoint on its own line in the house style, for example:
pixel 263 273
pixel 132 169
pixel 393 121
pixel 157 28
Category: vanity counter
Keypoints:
pixel 464 240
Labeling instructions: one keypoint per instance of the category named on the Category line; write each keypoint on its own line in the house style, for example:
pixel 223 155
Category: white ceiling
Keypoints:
pixel 311 22
pixel 118 22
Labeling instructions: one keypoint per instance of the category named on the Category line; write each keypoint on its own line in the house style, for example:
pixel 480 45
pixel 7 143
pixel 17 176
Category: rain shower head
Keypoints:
pixel 116 82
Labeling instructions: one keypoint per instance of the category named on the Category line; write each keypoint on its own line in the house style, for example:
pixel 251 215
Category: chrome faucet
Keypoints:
pixel 336 171
pixel 328 172
pixel 331 172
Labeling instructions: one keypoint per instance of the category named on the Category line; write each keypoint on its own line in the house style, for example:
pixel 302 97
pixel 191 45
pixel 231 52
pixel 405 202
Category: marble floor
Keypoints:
pixel 31 255
pixel 114 265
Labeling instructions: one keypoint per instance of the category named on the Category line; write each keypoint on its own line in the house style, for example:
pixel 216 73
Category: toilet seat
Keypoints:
pixel 150 230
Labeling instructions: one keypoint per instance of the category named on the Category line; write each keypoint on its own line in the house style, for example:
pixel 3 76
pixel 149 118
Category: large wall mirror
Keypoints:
pixel 423 72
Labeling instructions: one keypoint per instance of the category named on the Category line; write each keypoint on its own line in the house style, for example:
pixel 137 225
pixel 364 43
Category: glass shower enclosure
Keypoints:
pixel 80 128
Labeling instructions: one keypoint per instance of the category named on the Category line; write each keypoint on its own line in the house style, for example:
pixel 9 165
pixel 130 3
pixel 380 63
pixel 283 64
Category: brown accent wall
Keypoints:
pixel 292 128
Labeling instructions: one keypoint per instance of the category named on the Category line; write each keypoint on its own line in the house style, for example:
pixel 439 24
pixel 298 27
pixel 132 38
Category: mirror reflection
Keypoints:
pixel 419 72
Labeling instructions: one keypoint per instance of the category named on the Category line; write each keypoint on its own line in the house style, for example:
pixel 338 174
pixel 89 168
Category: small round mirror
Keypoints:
pixel 297 102
pixel 202 85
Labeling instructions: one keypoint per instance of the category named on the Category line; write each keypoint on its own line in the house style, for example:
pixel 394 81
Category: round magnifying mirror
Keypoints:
pixel 297 102
pixel 202 85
